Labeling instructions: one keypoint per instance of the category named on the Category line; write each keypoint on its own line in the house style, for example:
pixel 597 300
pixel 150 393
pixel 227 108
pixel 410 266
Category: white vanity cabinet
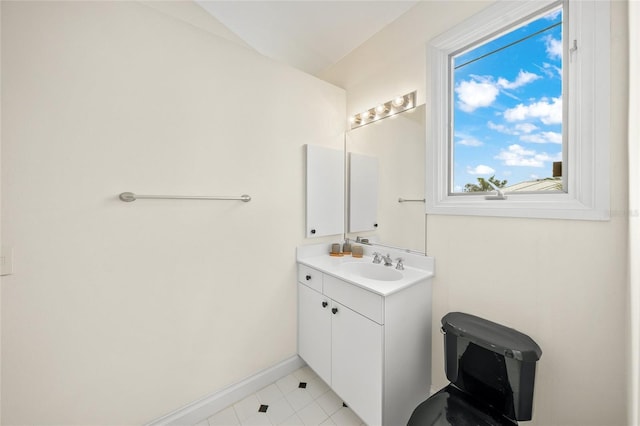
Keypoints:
pixel 373 350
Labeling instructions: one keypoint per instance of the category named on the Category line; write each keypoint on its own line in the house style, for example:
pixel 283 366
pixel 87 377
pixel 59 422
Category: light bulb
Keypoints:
pixel 381 109
pixel 365 115
pixel 398 101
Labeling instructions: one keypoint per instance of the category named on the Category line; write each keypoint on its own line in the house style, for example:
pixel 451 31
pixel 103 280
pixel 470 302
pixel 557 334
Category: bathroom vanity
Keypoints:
pixel 365 329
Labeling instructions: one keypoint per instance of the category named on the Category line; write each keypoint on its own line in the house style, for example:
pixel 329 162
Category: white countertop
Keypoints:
pixel 417 268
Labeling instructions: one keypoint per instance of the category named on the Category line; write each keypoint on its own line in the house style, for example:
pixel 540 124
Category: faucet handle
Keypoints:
pixel 400 265
pixel 377 257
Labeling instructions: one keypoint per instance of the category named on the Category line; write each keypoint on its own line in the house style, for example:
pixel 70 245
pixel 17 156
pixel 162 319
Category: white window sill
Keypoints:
pixel 552 206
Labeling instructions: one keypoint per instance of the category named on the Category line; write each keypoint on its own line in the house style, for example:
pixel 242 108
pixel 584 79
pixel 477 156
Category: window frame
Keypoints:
pixel 587 82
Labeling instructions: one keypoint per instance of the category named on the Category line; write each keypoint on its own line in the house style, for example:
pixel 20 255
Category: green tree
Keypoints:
pixel 483 185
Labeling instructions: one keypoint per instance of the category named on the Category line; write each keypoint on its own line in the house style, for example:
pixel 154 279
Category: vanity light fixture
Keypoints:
pixel 387 109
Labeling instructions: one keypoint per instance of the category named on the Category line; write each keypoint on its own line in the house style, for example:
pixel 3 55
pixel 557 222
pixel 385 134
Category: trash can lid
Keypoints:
pixel 490 335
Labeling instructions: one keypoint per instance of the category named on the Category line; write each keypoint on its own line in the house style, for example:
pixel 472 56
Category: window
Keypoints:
pixel 507 110
pixel 520 98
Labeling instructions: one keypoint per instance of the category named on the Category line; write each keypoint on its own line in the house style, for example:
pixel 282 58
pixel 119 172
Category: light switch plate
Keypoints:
pixel 6 261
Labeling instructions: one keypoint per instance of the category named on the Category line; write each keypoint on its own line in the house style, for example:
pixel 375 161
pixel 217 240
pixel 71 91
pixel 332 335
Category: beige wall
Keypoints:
pixel 119 313
pixel 562 282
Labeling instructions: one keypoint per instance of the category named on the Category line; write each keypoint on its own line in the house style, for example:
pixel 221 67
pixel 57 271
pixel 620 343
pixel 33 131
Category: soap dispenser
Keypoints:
pixel 346 247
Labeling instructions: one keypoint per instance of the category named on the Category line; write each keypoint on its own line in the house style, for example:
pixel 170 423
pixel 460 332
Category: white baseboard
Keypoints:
pixel 199 410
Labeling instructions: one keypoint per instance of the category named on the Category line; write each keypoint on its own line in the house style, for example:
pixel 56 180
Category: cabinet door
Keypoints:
pixel 363 192
pixel 314 331
pixel 357 362
pixel 325 191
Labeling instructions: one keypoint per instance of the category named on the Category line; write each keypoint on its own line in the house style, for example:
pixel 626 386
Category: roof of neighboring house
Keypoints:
pixel 548 184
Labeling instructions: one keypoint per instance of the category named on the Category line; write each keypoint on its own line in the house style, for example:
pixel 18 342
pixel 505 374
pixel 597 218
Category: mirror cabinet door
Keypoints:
pixel 325 191
pixel 363 192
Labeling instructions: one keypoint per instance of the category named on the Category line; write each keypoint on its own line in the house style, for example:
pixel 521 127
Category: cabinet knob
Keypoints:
pixel 334 310
pixel 324 303
pixel 313 231
pixel 308 277
pixel 375 225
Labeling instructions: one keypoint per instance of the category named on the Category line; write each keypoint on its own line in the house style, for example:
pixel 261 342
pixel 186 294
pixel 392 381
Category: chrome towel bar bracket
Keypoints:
pixel 130 196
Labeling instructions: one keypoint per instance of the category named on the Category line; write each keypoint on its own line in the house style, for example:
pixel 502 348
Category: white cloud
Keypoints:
pixel 548 157
pixel 469 141
pixel 554 47
pixel 482 91
pixel 516 155
pixel 546 70
pixel 553 137
pixel 480 169
pixel 544 137
pixel 550 70
pixel 516 130
pixel 501 128
pixel 548 113
pixel 523 78
pixel 551 16
pixel 526 127
pixel 555 68
pixel 473 94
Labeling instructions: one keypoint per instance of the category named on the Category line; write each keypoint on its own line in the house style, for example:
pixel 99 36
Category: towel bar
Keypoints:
pixel 130 196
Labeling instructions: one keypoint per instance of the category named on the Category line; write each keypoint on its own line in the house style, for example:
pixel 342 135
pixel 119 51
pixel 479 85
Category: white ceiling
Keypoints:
pixel 310 35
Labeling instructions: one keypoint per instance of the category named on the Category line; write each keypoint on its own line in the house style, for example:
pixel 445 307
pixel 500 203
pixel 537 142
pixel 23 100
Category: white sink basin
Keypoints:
pixel 372 271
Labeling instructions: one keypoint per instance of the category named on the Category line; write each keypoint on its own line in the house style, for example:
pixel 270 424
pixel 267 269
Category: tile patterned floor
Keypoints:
pixel 301 398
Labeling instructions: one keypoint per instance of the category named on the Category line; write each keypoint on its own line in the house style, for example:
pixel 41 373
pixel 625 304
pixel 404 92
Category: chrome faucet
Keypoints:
pixel 387 260
pixel 400 265
pixel 377 257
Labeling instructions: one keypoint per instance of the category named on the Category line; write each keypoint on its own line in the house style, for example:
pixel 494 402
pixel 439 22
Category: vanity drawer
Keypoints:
pixel 310 277
pixel 356 298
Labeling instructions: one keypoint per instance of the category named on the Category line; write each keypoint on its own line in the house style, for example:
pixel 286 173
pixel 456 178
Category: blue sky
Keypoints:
pixel 508 106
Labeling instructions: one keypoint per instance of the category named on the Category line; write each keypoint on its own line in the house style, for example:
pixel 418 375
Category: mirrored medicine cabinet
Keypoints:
pixel 383 162
pixel 325 191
